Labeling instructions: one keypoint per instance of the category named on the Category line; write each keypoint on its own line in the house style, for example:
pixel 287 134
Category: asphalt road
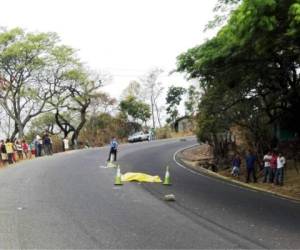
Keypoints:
pixel 69 201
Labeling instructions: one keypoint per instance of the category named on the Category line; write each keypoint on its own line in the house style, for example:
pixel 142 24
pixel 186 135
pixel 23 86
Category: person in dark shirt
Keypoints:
pixel 3 152
pixel 113 149
pixel 47 144
pixel 250 166
pixel 236 164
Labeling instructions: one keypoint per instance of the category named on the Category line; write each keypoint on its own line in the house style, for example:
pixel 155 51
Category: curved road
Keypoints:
pixel 69 201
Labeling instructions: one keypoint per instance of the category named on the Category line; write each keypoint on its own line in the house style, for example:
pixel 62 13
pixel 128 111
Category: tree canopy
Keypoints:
pixel 251 67
pixel 28 63
pixel 137 110
pixel 173 99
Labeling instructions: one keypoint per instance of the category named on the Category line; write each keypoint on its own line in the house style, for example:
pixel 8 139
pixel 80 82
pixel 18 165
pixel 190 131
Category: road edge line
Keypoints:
pixel 209 174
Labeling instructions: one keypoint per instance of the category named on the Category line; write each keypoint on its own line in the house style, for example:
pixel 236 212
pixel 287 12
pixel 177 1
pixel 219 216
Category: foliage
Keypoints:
pixel 27 64
pixel 78 89
pixel 133 89
pixel 43 123
pixel 192 100
pixel 250 71
pixel 45 87
pixel 102 103
pixel 173 99
pixel 153 89
pixel 136 109
pixel 163 133
pixel 100 128
pixel 223 10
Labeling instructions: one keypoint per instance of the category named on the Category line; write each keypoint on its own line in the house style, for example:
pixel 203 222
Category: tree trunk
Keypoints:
pixel 158 115
pixel 152 112
pixel 20 130
pixel 74 139
pixel 14 133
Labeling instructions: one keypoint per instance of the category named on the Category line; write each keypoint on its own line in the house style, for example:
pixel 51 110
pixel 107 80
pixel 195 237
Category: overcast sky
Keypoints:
pixel 123 37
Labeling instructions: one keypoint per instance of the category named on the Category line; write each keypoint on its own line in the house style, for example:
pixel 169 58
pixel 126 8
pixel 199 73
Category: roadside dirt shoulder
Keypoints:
pixel 200 158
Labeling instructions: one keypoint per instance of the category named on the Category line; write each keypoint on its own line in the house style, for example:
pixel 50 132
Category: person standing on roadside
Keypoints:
pixel 267 167
pixel 9 146
pixel 3 152
pixel 65 144
pixel 38 144
pixel 113 149
pixel 273 166
pixel 236 164
pixel 19 149
pixel 25 148
pixel 250 165
pixel 47 144
pixel 280 170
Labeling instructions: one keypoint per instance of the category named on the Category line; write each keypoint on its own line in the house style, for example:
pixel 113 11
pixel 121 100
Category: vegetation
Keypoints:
pixel 173 99
pixel 249 71
pixel 136 109
pixel 30 65
pixel 45 88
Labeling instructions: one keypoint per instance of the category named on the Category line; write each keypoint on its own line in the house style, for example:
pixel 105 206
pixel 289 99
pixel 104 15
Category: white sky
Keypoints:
pixel 123 37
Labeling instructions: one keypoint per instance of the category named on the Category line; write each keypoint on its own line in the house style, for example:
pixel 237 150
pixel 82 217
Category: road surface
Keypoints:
pixel 69 201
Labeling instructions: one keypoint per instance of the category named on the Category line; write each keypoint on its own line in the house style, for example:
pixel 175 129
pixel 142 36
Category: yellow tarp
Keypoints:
pixel 140 177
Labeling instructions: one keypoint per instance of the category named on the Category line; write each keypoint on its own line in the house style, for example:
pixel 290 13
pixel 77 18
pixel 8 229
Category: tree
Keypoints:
pixel 252 63
pixel 136 109
pixel 27 64
pixel 71 106
pixel 173 99
pixel 102 103
pixel 192 101
pixel 43 123
pixel 223 10
pixel 133 89
pixel 153 89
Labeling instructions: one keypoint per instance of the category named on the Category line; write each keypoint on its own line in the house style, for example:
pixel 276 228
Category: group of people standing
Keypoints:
pixel 273 167
pixel 19 149
pixel 43 145
pixel 10 150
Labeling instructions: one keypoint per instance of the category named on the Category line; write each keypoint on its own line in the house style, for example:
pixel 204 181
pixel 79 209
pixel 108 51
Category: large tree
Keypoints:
pixel 77 91
pixel 173 99
pixel 31 65
pixel 252 64
pixel 152 90
pixel 136 109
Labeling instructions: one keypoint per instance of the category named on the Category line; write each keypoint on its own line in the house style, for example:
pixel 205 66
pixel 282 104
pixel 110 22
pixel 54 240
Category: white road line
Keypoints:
pixel 180 165
pixel 204 175
pixel 236 185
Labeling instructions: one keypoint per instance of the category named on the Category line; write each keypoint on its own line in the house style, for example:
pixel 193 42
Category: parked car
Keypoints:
pixel 139 136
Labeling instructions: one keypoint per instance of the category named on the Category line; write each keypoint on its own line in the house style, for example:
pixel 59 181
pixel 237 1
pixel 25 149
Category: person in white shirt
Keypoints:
pixel 267 167
pixel 280 169
pixel 65 144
